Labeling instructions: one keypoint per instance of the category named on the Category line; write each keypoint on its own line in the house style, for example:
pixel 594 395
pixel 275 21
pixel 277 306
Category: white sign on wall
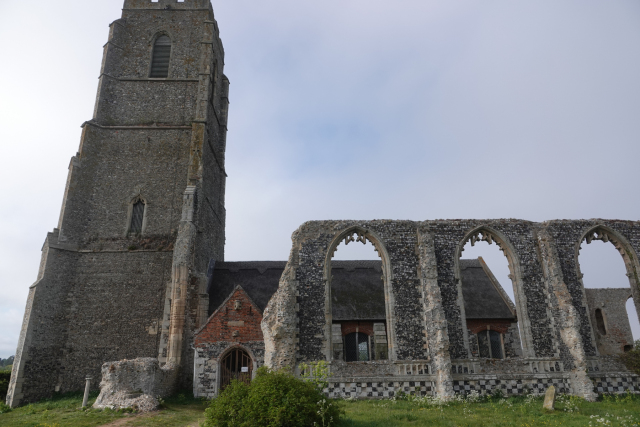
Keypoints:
pixel 245 369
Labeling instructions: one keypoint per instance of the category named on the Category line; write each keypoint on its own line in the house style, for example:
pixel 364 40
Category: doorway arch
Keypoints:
pixel 235 364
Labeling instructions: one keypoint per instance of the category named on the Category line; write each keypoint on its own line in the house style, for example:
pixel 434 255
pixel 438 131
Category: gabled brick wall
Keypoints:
pixel 236 320
pixel 236 323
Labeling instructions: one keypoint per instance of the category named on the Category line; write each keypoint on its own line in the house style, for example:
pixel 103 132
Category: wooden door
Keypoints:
pixel 236 365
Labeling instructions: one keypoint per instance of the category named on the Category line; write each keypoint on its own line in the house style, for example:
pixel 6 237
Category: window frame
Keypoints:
pixel 488 340
pixel 152 52
pixel 132 203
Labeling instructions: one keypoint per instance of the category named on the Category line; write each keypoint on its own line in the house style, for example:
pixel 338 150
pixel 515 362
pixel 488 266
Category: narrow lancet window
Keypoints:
pixel 161 55
pixel 600 322
pixel 137 215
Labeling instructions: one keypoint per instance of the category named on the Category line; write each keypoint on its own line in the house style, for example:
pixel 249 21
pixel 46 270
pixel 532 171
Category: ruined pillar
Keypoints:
pixel 436 335
pixel 566 317
pixel 279 322
pixel 182 260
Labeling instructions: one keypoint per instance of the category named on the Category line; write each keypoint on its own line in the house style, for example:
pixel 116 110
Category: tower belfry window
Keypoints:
pixel 137 215
pixel 161 56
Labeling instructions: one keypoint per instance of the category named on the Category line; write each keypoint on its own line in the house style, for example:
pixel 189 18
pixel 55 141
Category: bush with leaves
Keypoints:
pixel 272 399
pixel 631 359
pixel 5 376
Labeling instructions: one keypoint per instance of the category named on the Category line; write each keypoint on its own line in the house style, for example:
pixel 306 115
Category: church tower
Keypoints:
pixel 124 273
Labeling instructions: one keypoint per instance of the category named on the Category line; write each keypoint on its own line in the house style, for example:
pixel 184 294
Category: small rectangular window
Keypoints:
pixel 490 344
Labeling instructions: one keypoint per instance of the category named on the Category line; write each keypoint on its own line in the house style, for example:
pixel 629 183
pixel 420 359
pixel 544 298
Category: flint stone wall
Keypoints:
pixel 102 294
pixel 612 303
pixel 207 363
pixel 551 305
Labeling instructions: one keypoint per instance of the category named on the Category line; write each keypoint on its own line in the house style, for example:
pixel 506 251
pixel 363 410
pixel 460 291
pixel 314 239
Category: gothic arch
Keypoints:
pixel 486 234
pixel 629 256
pixel 152 50
pixel 226 352
pixel 138 197
pixel 360 234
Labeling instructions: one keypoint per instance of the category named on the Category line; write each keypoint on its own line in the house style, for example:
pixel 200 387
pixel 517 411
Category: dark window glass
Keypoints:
pixel 161 55
pixel 483 344
pixel 357 347
pixel 490 344
pixel 496 344
pixel 136 218
pixel 600 322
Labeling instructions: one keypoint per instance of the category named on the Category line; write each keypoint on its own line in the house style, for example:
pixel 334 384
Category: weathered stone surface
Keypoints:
pixel 608 314
pixel 103 294
pixel 426 323
pixel 550 399
pixel 135 384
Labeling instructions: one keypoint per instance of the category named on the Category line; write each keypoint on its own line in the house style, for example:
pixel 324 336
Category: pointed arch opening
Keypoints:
pixel 359 302
pixel 607 270
pixel 235 364
pixel 160 57
pixel 493 313
pixel 137 216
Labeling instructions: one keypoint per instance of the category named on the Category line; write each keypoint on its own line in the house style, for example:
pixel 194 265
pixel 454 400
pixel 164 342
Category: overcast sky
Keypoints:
pixel 351 109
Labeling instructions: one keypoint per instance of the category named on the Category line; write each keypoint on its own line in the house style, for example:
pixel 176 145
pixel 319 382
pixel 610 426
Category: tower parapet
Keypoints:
pixel 167 4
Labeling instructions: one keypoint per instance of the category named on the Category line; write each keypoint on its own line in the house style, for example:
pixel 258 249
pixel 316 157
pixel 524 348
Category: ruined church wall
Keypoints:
pixel 617 330
pixel 568 235
pixel 548 310
pixel 520 235
pixel 399 238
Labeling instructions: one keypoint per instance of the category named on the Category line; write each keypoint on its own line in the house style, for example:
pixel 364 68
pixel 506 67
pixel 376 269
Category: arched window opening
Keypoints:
pixel 357 345
pixel 603 273
pixel 600 322
pixel 491 313
pixel 490 344
pixel 137 217
pixel 161 57
pixel 358 303
pixel 236 365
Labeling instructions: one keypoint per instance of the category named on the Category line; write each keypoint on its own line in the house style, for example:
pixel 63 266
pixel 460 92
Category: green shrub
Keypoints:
pixel 4 384
pixel 631 359
pixel 273 399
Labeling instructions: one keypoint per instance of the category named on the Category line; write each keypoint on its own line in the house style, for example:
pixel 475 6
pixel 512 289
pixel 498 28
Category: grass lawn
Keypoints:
pixel 183 411
pixel 515 411
pixel 65 411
